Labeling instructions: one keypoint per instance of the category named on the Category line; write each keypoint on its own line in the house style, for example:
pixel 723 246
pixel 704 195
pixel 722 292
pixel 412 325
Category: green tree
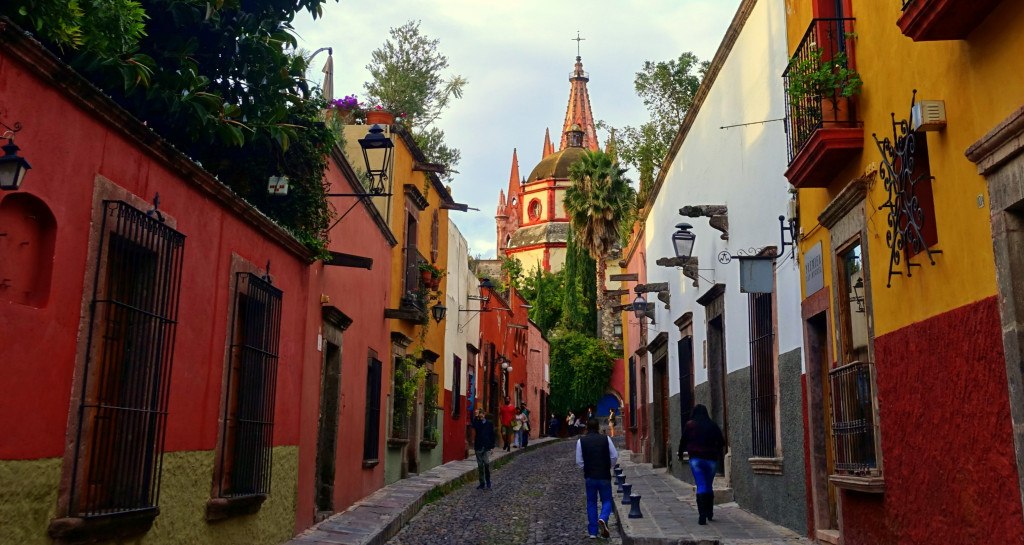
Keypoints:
pixel 544 291
pixel 512 272
pixel 579 292
pixel 223 83
pixel 580 368
pixel 667 89
pixel 408 77
pixel 110 28
pixel 598 202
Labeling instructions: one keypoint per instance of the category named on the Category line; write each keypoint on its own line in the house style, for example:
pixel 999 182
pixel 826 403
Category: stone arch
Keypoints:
pixel 28 232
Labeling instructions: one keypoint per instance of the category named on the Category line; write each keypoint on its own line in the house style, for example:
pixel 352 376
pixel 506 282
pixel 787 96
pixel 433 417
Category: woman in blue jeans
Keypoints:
pixel 702 438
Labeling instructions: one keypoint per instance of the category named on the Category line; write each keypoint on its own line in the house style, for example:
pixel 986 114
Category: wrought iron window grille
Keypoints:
pixel 122 417
pixel 906 218
pixel 248 412
pixel 853 425
pixel 762 375
pixel 371 431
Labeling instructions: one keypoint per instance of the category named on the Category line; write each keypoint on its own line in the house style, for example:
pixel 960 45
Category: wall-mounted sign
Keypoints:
pixel 814 270
pixel 757 274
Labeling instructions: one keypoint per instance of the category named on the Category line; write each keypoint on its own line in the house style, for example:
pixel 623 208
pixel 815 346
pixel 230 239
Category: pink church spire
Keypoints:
pixel 578 111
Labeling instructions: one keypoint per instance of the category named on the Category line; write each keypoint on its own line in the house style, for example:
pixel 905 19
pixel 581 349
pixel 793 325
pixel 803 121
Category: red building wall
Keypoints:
pixel 948 454
pixel 69 148
pixel 357 234
pixel 538 355
pixel 633 339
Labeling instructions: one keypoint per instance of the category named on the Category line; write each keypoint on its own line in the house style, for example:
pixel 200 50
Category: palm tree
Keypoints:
pixel 598 202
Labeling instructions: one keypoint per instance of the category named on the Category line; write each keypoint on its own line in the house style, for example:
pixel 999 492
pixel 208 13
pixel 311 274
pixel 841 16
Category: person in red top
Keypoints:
pixel 506 414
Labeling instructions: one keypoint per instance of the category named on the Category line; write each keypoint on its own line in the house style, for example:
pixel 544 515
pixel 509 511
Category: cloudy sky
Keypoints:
pixel 517 56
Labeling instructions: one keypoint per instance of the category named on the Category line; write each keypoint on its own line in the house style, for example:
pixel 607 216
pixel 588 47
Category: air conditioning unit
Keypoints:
pixel 928 115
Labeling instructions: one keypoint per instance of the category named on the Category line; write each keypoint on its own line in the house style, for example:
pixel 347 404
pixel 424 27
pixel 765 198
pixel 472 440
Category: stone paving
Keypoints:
pixel 379 516
pixel 669 508
pixel 537 499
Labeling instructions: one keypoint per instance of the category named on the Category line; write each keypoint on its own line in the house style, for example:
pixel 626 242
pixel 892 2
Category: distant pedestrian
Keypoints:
pixel 553 426
pixel 506 413
pixel 596 454
pixel 483 443
pixel 611 422
pixel 702 438
pixel 517 428
pixel 524 441
pixel 570 424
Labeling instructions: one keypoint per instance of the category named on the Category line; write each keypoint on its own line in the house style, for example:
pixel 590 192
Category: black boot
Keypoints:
pixel 701 510
pixel 709 505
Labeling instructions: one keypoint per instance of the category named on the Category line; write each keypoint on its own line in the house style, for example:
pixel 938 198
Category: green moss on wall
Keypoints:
pixel 28 499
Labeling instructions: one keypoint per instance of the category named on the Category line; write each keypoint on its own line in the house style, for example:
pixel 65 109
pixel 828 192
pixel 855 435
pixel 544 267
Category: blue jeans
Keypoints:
pixel 595 487
pixel 703 474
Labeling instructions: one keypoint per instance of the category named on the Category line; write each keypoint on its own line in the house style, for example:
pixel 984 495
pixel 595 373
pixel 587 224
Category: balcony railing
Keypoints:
pixel 824 41
pixel 853 423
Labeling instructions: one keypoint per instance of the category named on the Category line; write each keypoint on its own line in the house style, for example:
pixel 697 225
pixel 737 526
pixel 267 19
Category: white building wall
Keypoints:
pixel 461 283
pixel 742 168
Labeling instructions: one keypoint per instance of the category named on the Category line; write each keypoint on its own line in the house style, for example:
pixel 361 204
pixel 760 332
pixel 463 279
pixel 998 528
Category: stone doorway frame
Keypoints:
pixel 999 156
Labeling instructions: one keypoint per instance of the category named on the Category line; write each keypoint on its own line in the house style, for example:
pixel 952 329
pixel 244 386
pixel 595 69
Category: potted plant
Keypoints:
pixel 379 116
pixel 431 275
pixel 830 80
pixel 347 110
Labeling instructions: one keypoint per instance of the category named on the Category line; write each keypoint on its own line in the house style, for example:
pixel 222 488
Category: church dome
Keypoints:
pixel 556 165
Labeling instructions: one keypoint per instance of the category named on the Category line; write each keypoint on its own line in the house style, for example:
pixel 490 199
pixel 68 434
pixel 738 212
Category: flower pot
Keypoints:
pixel 344 117
pixel 835 113
pixel 435 282
pixel 425 277
pixel 380 117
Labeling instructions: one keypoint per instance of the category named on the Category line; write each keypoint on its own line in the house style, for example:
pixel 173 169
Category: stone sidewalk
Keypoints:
pixel 379 516
pixel 669 509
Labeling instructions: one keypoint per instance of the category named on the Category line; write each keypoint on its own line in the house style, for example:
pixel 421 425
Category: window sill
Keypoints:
pixel 428 445
pixel 872 484
pixel 766 466
pixel 120 526
pixel 371 463
pixel 397 442
pixel 225 508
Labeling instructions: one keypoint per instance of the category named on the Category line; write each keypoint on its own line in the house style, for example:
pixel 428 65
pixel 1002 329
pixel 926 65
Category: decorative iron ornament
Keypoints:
pixel 906 217
pixel 767 252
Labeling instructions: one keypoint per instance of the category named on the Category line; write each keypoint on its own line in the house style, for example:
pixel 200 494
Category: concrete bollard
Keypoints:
pixel 618 467
pixel 634 507
pixel 619 480
pixel 626 490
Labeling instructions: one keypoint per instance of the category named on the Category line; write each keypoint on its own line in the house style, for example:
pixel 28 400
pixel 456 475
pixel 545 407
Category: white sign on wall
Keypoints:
pixel 814 270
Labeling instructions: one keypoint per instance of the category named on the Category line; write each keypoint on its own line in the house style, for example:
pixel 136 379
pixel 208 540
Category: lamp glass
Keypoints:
pixel 438 311
pixel 12 168
pixel 682 240
pixel 377 154
pixel 639 307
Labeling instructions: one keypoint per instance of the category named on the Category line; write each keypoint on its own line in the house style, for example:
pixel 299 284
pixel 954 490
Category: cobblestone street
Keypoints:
pixel 537 498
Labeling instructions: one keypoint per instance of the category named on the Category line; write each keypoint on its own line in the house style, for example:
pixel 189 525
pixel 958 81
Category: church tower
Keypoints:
pixel 532 223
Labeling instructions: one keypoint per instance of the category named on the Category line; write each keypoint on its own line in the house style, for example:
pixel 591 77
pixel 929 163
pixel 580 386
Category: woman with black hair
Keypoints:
pixel 702 438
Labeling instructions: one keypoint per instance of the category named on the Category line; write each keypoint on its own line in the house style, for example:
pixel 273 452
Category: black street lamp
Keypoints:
pixel 378 154
pixel 438 311
pixel 682 240
pixel 12 166
pixel 640 307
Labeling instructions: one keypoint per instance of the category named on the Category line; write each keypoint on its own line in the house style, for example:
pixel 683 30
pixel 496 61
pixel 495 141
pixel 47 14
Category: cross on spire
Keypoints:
pixel 577 39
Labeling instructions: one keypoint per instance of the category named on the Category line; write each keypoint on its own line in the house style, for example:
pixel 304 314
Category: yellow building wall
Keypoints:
pixel 981 82
pixel 28 501
pixel 530 259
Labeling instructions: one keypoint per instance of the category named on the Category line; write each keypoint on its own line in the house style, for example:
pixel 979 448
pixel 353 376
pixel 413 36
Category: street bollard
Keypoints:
pixel 618 471
pixel 634 507
pixel 618 467
pixel 619 479
pixel 626 489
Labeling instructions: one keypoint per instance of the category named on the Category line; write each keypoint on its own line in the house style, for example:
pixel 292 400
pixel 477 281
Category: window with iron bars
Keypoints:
pixel 371 434
pixel 399 415
pixel 133 320
pixel 763 399
pixel 248 412
pixel 853 438
pixel 430 393
pixel 456 386
pixel 632 392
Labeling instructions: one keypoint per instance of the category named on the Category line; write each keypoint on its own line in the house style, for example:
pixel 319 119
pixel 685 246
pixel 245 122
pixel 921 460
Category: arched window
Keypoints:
pixel 27 234
pixel 534 210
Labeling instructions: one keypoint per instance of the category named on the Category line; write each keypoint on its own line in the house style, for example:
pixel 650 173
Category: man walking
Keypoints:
pixel 506 414
pixel 483 443
pixel 596 454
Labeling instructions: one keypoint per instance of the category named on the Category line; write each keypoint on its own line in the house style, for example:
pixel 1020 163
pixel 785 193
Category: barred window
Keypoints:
pixel 686 395
pixel 251 382
pixel 133 319
pixel 632 392
pixel 399 404
pixel 430 393
pixel 456 386
pixel 371 434
pixel 763 399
